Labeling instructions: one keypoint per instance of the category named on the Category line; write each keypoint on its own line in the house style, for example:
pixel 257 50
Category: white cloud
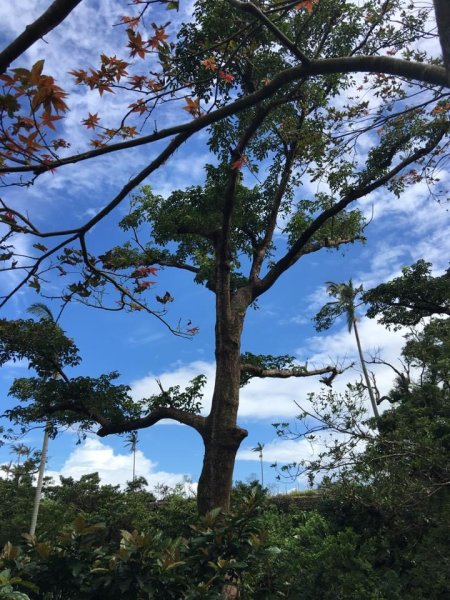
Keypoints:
pixel 273 399
pixel 113 468
pixel 283 451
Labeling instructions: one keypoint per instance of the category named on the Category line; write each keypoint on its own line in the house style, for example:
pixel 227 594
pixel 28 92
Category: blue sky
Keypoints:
pixel 139 347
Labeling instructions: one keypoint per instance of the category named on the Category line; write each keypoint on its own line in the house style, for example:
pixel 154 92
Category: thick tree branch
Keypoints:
pixel 108 427
pixel 278 197
pixel 197 422
pixel 381 64
pixel 257 371
pixel 363 189
pixel 51 18
pixel 327 243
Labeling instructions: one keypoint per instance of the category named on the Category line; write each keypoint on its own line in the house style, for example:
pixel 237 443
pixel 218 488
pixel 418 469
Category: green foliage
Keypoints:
pixel 344 305
pixel 189 400
pixel 148 565
pixel 77 398
pixel 43 344
pixel 405 300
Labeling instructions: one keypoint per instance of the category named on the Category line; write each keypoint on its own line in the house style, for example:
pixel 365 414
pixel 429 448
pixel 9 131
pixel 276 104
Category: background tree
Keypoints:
pixel 259 448
pixel 345 305
pixel 43 313
pixel 47 349
pixel 407 299
pixel 131 442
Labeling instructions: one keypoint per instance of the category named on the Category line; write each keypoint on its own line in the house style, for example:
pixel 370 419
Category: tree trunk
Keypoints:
pixel 216 479
pixel 222 437
pixel 40 481
pixel 366 374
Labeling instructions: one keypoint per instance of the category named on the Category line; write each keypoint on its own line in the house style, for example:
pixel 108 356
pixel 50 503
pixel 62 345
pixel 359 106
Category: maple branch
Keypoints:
pixel 125 293
pixel 426 73
pixel 258 371
pixel 197 422
pixel 365 188
pixel 51 18
pixel 251 9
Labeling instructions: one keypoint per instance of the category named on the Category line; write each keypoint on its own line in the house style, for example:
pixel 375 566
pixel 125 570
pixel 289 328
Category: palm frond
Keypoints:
pixel 42 311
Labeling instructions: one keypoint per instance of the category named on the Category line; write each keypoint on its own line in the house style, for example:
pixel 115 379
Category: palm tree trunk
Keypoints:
pixel 366 374
pixel 40 481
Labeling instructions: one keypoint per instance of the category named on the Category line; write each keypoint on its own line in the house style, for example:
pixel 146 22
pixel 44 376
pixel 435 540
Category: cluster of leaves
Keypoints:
pixel 189 400
pixel 345 550
pixel 405 300
pixel 43 344
pixel 30 103
pixel 219 551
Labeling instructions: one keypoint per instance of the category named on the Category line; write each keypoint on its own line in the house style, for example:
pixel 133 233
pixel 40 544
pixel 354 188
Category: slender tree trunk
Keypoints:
pixel 134 463
pixel 40 481
pixel 366 374
pixel 262 469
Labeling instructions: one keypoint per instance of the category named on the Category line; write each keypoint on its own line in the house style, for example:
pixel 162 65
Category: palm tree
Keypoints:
pixel 43 313
pixel 259 448
pixel 131 443
pixel 345 295
pixel 20 450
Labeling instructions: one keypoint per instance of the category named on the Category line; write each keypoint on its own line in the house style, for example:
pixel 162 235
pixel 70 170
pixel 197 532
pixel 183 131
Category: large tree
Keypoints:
pixel 274 98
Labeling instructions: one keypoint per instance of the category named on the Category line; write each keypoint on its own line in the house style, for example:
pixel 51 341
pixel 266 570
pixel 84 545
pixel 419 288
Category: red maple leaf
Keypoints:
pixel 226 76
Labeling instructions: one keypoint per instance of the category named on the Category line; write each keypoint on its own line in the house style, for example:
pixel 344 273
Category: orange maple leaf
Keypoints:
pixel 159 37
pixel 209 63
pixel 239 163
pixel 47 120
pixel 139 106
pixel 192 107
pixel 308 5
pixel 92 121
pixel 136 44
pixel 437 110
pixel 132 22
